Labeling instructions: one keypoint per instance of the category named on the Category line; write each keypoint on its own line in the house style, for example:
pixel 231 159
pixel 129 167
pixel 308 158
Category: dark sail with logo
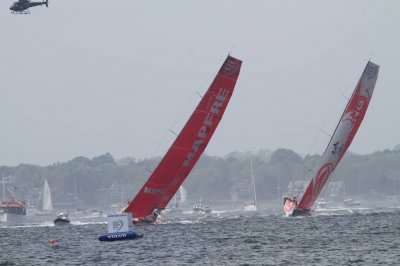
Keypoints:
pixel 189 145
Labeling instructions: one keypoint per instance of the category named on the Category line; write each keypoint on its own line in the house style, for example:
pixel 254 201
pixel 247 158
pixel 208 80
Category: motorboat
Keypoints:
pixel 62 218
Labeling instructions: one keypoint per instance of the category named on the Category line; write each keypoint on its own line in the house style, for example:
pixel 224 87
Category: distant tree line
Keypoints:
pixel 213 178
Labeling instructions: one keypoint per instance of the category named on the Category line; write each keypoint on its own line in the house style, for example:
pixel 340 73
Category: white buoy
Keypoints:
pixel 120 227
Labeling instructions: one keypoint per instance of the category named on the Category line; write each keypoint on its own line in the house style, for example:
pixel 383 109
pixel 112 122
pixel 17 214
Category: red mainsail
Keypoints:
pixel 343 135
pixel 179 160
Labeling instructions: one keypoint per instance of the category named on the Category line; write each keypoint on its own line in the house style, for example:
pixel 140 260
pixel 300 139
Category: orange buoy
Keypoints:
pixel 52 241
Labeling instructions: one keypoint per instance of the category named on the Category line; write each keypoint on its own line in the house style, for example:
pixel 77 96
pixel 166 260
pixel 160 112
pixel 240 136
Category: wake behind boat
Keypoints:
pixel 342 137
pixel 181 157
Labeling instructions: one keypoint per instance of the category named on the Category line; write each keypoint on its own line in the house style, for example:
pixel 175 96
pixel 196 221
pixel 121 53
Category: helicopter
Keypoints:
pixel 22 6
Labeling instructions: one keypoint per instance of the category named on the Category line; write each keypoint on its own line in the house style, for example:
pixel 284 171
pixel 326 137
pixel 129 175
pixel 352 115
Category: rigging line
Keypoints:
pixel 232 48
pixel 140 178
pixel 334 109
pixel 333 114
pixel 149 170
pixel 347 98
pixel 173 132
pixel 184 111
pixel 311 171
pixel 202 86
pixel 370 57
pixel 326 133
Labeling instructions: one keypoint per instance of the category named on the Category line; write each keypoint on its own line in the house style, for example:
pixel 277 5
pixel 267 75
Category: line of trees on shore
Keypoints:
pixel 213 178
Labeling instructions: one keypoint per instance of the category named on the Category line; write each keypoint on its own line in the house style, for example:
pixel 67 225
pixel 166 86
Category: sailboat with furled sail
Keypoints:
pixel 252 204
pixel 185 151
pixel 340 141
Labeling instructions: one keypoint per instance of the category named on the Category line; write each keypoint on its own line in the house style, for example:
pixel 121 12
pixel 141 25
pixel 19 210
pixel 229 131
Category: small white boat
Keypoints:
pixel 250 206
pixel 322 203
pixel 199 207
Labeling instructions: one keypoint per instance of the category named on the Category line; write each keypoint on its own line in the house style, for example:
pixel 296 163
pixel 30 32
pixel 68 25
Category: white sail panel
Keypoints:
pixel 182 193
pixel 47 203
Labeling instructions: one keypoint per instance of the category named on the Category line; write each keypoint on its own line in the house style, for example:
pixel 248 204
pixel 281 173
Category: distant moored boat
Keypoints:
pixel 252 205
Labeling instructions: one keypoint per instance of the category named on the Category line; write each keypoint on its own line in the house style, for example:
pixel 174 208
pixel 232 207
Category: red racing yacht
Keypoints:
pixel 341 139
pixel 181 157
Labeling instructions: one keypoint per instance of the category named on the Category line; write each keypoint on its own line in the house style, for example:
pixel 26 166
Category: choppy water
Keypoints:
pixel 334 237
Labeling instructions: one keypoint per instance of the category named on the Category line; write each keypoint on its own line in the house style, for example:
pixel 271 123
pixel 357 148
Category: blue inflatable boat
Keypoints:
pixel 120 236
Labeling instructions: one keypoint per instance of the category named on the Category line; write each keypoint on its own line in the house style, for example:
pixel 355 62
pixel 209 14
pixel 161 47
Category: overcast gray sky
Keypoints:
pixel 94 76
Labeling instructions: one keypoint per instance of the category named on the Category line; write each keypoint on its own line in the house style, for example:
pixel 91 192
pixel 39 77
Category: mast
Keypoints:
pixel 278 188
pixel 343 135
pixel 76 196
pixel 122 194
pixel 4 190
pixel 175 202
pixel 187 148
pixel 6 180
pixel 252 180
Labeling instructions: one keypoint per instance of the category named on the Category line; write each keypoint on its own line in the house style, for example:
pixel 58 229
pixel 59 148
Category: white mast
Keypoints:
pixel 4 191
pixel 122 195
pixel 252 180
pixel 76 196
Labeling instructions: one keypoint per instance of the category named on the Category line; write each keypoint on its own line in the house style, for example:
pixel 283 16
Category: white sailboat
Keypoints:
pixel 176 206
pixel 200 208
pixel 47 203
pixel 252 205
